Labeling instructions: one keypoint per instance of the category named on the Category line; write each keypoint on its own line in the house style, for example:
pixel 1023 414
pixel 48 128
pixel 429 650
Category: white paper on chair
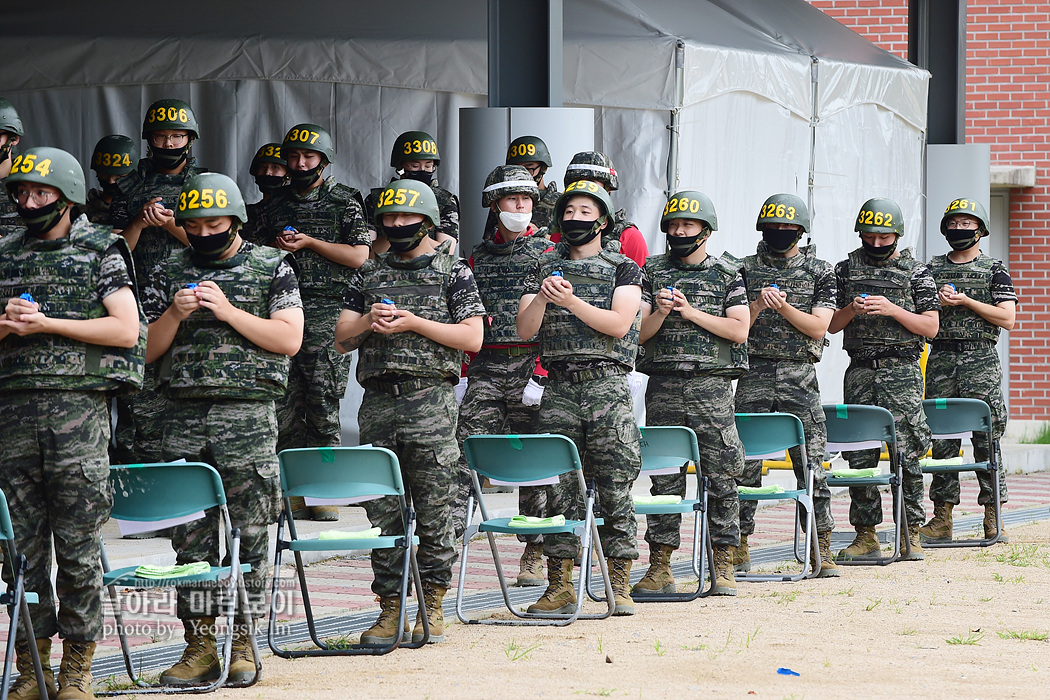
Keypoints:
pixel 953 436
pixel 853 446
pixel 135 527
pixel 538 482
pixel 766 455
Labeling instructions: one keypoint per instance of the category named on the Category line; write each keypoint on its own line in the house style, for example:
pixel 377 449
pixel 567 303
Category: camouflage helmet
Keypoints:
pixel 169 114
pixel 969 207
pixel 592 165
pixel 505 180
pixel 310 137
pixel 528 149
pixel 580 187
pixel 880 215
pixel 48 166
pixel 414 145
pixel 9 119
pixel 783 209
pixel 408 197
pixel 115 154
pixel 268 153
pixel 210 194
pixel 689 204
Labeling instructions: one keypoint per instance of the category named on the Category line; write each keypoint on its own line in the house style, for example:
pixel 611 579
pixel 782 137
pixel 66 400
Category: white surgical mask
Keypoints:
pixel 515 222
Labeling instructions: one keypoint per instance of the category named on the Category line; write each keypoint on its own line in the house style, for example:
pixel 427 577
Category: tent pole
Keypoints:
pixel 814 75
pixel 679 96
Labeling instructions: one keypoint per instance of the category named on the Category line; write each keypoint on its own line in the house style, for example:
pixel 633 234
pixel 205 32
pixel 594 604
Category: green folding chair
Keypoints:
pixel 767 435
pixel 527 460
pixel 666 450
pixel 853 427
pixel 168 494
pixel 951 419
pixel 342 474
pixel 17 601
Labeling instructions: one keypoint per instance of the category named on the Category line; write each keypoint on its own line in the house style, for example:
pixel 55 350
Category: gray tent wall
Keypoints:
pixel 757 115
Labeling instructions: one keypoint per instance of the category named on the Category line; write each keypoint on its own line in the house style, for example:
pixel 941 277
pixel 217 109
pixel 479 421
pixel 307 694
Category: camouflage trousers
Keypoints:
pixel 420 428
pixel 973 374
pixel 492 406
pixel 898 388
pixel 308 415
pixel 238 439
pixel 704 403
pixel 140 423
pixel 788 387
pixel 54 471
pixel 598 415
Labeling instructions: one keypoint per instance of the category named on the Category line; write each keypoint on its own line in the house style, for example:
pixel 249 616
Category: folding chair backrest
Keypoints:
pixel 853 423
pixel 665 446
pixel 7 532
pixel 148 492
pixel 340 472
pixel 516 458
pixel 954 416
pixel 769 434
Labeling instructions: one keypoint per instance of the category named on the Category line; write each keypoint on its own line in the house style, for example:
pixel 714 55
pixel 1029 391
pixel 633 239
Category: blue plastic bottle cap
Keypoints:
pixel 952 286
pixel 191 285
pixel 27 296
pixel 387 301
pixel 289 228
pixel 557 273
pixel 775 286
pixel 670 289
pixel 863 296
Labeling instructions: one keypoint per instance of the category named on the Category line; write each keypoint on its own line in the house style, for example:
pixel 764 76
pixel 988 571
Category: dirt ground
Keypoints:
pixel 965 623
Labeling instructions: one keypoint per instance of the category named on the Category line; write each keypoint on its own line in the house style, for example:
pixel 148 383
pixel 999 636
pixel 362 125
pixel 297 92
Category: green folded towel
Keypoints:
pixel 761 490
pixel 530 521
pixel 349 535
pixel 856 473
pixel 176 571
pixel 657 500
pixel 940 462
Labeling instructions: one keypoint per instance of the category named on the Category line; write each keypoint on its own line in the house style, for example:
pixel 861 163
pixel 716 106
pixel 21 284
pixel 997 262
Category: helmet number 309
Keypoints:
pixel 27 164
pixel 203 199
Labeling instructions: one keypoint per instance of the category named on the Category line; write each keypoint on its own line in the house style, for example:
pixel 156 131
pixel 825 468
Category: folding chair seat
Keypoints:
pixel 766 435
pixel 853 427
pixel 951 419
pixel 529 460
pixel 168 494
pixel 342 474
pixel 17 601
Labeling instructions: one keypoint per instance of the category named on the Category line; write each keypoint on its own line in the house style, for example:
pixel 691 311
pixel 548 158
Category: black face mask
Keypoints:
pixel 962 238
pixel 424 176
pixel 303 179
pixel 576 232
pixel 268 183
pixel 110 188
pixel 41 220
pixel 780 240
pixel 878 252
pixel 404 238
pixel 169 158
pixel 684 246
pixel 211 247
pixel 5 151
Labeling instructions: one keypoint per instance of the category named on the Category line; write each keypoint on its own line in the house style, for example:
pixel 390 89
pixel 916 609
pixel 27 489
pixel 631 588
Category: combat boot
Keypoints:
pixel 25 688
pixel 990 524
pixel 433 597
pixel 725 583
pixel 383 632
pixel 531 571
pixel 74 674
pixel 324 514
pixel 200 660
pixel 916 553
pixel 560 596
pixel 742 557
pixel 939 529
pixel 620 578
pixel 658 578
pixel 822 559
pixel 242 658
pixel 865 545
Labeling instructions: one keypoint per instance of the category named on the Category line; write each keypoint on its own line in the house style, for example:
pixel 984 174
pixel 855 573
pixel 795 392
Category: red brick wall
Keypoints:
pixel 1008 107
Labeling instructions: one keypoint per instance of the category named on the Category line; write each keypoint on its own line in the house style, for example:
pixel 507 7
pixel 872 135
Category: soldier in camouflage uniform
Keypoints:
pixel 977 300
pixel 412 312
pixel 71 333
pixel 531 153
pixel 415 157
pixel 269 169
pixel 597 167
pixel 225 316
pixel 792 298
pixel 694 329
pixel 144 213
pixel 587 317
pixel 114 157
pixel 320 221
pixel 10 132
pixel 499 373
pixel 887 308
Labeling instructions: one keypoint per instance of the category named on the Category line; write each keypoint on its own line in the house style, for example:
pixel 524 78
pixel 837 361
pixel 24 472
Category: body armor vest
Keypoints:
pixel 563 336
pixel 893 281
pixel 974 279
pixel 96 209
pixel 543 210
pixel 420 286
pixel 680 341
pixel 63 279
pixel 10 221
pixel 208 358
pixel 772 336
pixel 499 270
